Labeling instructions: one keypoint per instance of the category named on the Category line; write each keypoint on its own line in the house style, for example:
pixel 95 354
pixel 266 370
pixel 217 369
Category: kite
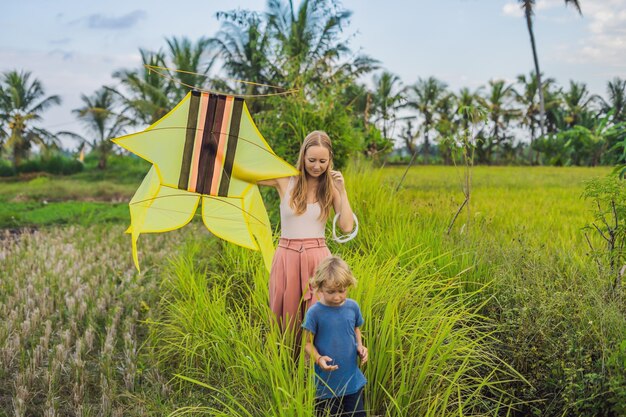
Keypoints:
pixel 206 149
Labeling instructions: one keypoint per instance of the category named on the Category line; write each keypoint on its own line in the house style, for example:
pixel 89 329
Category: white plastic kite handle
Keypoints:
pixel 348 237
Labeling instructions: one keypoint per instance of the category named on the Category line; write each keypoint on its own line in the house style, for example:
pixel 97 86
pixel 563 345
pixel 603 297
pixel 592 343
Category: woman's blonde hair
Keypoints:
pixel 333 272
pixel 325 188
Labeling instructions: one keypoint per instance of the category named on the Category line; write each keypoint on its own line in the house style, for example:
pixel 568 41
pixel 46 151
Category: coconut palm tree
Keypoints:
pixel 616 90
pixel 190 63
pixel 22 101
pixel 527 99
pixel 388 98
pixel 307 40
pixel 498 104
pixel 424 96
pixel 446 126
pixel 528 8
pixel 151 93
pixel 244 46
pixel 148 96
pixel 288 46
pixel 467 99
pixel 102 121
pixel 577 101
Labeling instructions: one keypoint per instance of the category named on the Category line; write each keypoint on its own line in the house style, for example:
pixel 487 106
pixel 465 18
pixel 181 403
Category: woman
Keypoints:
pixel 305 205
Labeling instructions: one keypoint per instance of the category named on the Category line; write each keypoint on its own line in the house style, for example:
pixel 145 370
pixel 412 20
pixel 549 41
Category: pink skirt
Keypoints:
pixel 294 264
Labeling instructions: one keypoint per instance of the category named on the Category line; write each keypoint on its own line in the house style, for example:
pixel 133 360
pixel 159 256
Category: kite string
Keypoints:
pixel 155 68
pixel 249 141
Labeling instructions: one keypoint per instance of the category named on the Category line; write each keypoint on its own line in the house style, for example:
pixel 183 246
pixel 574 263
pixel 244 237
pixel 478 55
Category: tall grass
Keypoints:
pixel 70 303
pixel 431 352
pixel 558 320
pixel 445 315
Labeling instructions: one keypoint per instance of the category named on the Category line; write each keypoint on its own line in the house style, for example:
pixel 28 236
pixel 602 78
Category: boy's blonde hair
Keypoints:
pixel 333 272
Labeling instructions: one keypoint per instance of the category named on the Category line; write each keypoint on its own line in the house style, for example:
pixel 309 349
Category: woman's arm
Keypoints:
pixel 279 183
pixel 322 361
pixel 341 203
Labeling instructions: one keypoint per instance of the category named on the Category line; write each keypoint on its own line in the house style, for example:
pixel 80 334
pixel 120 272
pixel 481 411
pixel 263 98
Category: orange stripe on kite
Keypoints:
pixel 193 172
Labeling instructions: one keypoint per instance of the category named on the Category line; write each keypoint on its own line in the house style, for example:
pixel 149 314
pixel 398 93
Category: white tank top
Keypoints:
pixel 305 225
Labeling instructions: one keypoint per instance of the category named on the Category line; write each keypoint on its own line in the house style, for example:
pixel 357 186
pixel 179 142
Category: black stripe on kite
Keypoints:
pixel 233 136
pixel 192 121
pixel 214 142
pixel 205 150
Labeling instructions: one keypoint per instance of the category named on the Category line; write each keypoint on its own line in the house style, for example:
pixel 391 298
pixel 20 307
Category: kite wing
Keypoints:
pixel 207 148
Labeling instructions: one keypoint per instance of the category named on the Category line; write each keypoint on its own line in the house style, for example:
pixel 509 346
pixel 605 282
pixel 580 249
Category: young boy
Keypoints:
pixel 333 341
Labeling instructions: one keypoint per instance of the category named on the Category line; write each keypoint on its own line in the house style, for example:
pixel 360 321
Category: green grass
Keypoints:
pixel 558 319
pixel 78 199
pixel 35 214
pixel 508 314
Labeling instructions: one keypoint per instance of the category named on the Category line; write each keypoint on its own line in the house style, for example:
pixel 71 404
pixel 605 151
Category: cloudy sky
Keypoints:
pixel 74 46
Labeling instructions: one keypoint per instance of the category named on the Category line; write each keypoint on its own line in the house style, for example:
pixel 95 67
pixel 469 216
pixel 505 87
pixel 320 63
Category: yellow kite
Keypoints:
pixel 206 148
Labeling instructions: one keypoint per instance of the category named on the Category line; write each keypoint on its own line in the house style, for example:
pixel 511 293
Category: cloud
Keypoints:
pixel 512 9
pixel 602 43
pixel 69 75
pixel 99 21
pixel 549 4
pixel 606 42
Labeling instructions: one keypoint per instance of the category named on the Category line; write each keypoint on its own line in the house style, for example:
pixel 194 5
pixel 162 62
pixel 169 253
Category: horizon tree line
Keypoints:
pixel 529 121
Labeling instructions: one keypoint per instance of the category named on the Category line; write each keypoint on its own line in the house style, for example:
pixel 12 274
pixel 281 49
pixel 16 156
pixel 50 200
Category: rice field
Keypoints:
pixel 507 314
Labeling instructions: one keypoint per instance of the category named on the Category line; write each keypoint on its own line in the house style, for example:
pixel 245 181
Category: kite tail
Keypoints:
pixel 260 226
pixel 135 236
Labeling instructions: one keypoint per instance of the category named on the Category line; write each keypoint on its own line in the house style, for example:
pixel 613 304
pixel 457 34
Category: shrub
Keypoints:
pixel 6 169
pixel 57 165
pixel 61 165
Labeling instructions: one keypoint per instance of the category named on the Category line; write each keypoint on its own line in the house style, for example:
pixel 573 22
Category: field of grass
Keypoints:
pixel 508 314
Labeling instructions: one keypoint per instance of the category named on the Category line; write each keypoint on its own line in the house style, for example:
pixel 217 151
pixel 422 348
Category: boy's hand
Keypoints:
pixel 323 362
pixel 362 351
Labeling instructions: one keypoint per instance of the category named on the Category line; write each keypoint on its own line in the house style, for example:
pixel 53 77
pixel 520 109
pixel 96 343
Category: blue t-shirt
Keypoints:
pixel 334 336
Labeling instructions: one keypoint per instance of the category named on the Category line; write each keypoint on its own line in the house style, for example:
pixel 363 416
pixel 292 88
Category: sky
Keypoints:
pixel 73 47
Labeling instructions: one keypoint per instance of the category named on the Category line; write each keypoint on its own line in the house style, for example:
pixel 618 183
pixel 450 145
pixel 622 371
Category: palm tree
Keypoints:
pixel 530 113
pixel 498 104
pixel 190 62
pixel 99 117
pixel 387 100
pixel 149 95
pixel 576 101
pixel 308 46
pixel 152 93
pixel 528 7
pixel 425 96
pixel 616 102
pixel 243 44
pixel 467 100
pixel 290 47
pixel 446 126
pixel 22 101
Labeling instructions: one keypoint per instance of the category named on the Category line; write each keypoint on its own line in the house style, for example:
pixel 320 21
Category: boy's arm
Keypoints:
pixel 322 361
pixel 361 350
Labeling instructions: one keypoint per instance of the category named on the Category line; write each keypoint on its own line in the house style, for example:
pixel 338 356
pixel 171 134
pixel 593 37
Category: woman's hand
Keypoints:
pixel 324 363
pixel 362 351
pixel 338 181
